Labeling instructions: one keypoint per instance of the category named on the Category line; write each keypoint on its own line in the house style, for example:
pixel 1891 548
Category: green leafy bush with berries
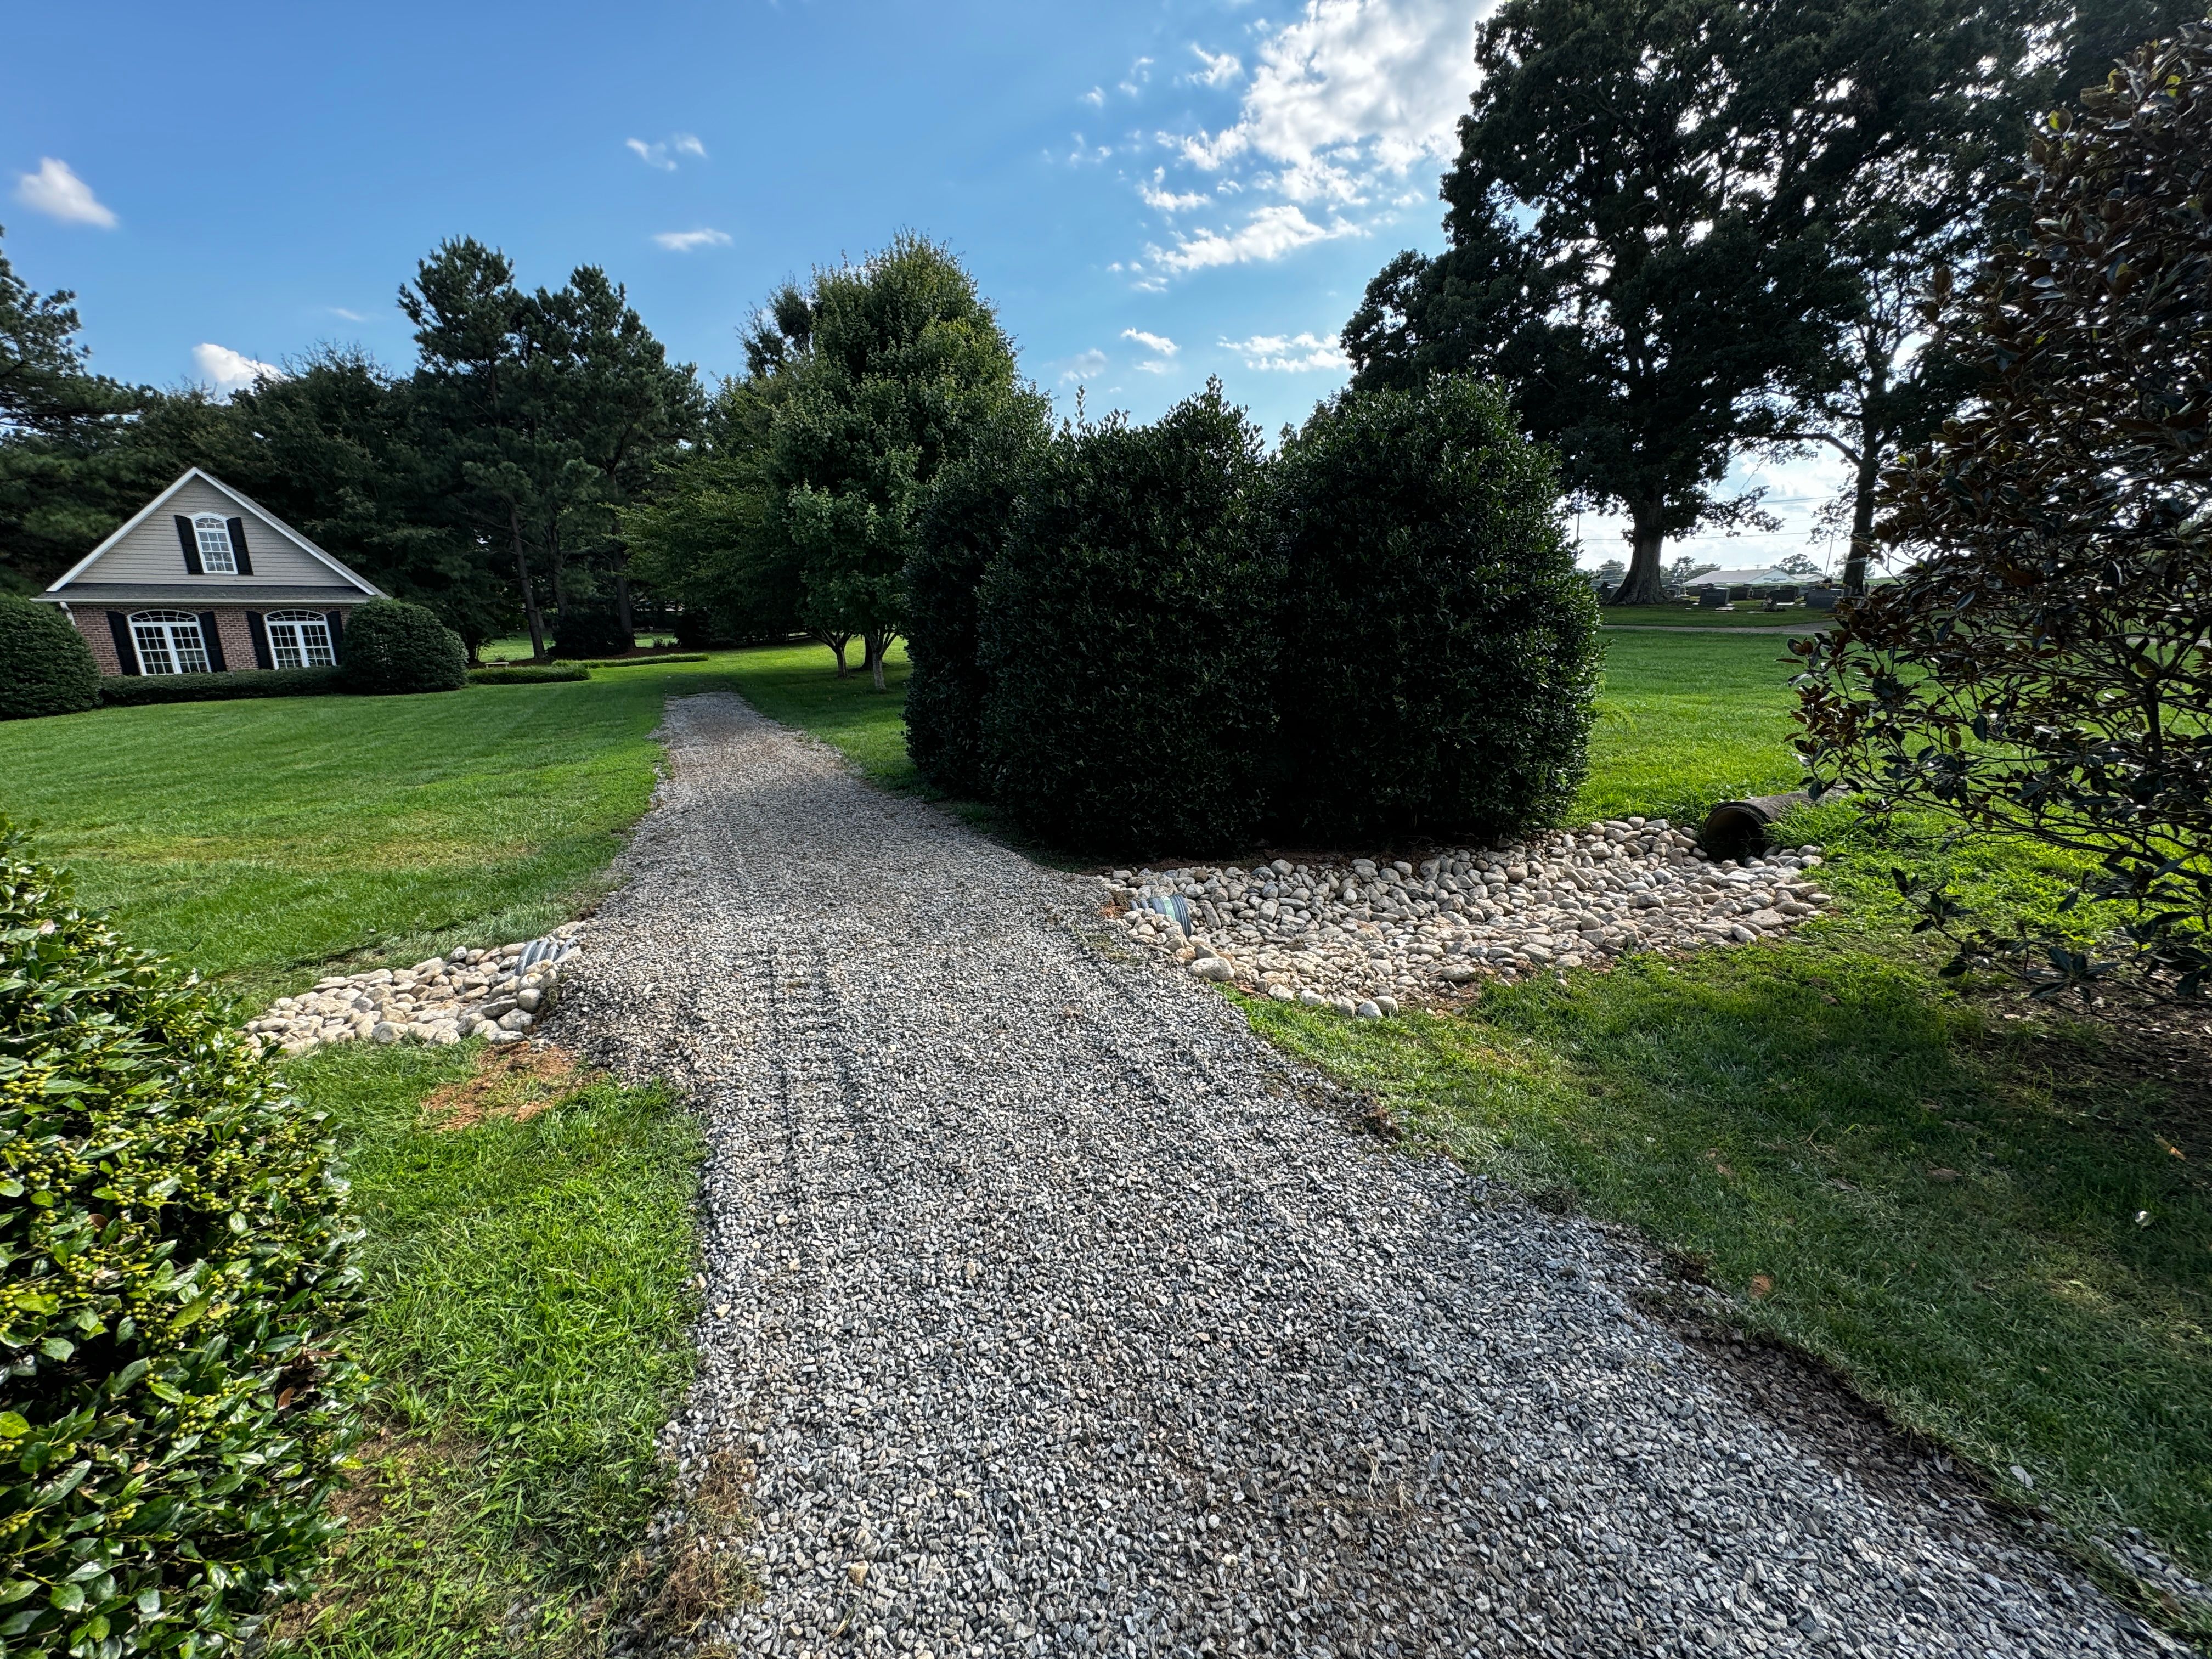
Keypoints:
pixel 174 1281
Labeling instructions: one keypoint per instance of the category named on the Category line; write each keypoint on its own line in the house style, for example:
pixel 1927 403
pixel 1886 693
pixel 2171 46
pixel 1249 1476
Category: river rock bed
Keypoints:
pixel 1363 934
pixel 497 994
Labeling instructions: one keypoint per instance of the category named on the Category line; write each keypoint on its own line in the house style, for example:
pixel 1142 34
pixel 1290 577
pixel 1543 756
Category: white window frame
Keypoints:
pixel 303 637
pixel 218 556
pixel 169 642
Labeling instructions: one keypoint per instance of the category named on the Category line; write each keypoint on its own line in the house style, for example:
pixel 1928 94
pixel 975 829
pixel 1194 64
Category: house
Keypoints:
pixel 202 579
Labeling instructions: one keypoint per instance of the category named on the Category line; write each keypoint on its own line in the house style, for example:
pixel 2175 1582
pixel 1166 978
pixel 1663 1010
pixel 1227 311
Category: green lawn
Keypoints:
pixel 531 1292
pixel 262 842
pixel 1745 614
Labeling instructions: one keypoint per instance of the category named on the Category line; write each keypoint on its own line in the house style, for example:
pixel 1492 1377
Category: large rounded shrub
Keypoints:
pixel 390 647
pixel 172 1280
pixel 1124 631
pixel 1439 653
pixel 963 525
pixel 45 666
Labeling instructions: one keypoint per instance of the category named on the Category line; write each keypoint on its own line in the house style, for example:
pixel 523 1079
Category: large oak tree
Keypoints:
pixel 1643 225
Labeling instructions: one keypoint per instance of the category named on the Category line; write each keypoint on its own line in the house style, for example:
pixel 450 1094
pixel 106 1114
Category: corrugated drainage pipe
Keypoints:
pixel 1737 827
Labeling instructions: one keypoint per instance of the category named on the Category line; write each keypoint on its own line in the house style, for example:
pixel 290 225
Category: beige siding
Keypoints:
pixel 151 553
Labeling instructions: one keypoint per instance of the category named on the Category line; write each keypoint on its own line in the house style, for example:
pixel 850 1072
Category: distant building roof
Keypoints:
pixel 1761 578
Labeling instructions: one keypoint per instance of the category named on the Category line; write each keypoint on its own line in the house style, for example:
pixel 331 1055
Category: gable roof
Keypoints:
pixel 243 500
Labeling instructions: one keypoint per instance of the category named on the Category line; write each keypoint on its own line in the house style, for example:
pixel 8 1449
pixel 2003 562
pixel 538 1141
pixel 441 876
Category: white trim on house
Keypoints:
pixel 237 496
pixel 304 634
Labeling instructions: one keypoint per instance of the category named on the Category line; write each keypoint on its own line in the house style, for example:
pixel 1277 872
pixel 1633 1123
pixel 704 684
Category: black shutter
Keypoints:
pixel 337 620
pixel 213 640
pixel 238 547
pixel 259 630
pixel 192 545
pixel 126 650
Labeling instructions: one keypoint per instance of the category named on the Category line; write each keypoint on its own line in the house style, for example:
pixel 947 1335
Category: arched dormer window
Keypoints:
pixel 217 557
pixel 300 639
pixel 168 642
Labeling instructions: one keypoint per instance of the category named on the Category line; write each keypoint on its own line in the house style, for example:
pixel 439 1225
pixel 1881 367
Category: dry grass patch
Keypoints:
pixel 510 1084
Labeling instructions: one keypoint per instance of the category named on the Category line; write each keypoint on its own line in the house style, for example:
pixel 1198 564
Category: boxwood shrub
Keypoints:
pixel 390 647
pixel 962 527
pixel 1439 653
pixel 130 689
pixel 45 666
pixel 1125 633
pixel 539 674
pixel 173 1278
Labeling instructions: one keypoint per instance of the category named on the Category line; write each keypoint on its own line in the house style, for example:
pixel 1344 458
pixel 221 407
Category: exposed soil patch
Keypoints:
pixel 511 1085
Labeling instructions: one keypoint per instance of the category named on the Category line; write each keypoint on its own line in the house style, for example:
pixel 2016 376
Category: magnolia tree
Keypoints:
pixel 2042 668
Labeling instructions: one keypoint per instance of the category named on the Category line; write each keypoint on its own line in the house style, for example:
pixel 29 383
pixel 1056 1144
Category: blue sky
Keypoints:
pixel 1150 193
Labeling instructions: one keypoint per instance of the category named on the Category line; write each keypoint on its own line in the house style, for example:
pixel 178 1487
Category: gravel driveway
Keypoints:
pixel 1061 1315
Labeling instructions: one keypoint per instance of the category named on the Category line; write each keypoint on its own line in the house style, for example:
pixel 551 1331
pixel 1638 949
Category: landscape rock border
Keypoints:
pixel 1361 934
pixel 498 994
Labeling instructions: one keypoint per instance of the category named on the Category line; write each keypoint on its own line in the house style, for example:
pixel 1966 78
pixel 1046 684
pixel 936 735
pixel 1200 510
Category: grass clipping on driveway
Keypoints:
pixel 1986 1226
pixel 530 1250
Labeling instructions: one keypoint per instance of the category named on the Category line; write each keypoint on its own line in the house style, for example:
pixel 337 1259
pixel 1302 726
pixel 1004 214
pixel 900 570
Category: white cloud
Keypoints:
pixel 1341 105
pixel 1271 232
pixel 1290 352
pixel 1158 343
pixel 229 371
pixel 350 316
pixel 663 154
pixel 683 241
pixel 1219 67
pixel 1140 72
pixel 54 190
pixel 1096 97
pixel 1161 200
pixel 1084 365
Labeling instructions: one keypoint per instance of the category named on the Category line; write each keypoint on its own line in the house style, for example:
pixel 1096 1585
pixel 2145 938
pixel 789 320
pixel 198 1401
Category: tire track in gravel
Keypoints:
pixel 1060 1314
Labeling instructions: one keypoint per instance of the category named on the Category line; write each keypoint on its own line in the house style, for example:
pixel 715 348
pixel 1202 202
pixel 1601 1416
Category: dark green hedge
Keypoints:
pixel 174 1281
pixel 391 647
pixel 593 633
pixel 633 661
pixel 962 525
pixel 1127 633
pixel 130 689
pixel 45 666
pixel 1439 651
pixel 540 674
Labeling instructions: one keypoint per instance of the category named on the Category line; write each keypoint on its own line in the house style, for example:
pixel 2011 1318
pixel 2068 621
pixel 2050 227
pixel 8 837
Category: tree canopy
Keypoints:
pixel 1666 215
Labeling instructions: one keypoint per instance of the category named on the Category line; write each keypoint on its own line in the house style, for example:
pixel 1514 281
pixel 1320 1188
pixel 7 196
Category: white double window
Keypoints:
pixel 169 641
pixel 218 556
pixel 300 639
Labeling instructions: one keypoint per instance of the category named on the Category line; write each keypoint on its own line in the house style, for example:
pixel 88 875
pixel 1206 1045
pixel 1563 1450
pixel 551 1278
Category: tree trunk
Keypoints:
pixel 528 594
pixel 1642 584
pixel 837 642
pixel 560 587
pixel 877 643
pixel 1855 567
pixel 621 609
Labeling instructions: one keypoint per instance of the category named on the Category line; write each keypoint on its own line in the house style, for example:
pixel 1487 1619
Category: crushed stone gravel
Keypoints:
pixel 1058 1314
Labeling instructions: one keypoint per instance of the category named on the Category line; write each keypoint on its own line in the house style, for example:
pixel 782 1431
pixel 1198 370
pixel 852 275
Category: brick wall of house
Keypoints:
pixel 93 624
pixel 230 627
pixel 237 640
